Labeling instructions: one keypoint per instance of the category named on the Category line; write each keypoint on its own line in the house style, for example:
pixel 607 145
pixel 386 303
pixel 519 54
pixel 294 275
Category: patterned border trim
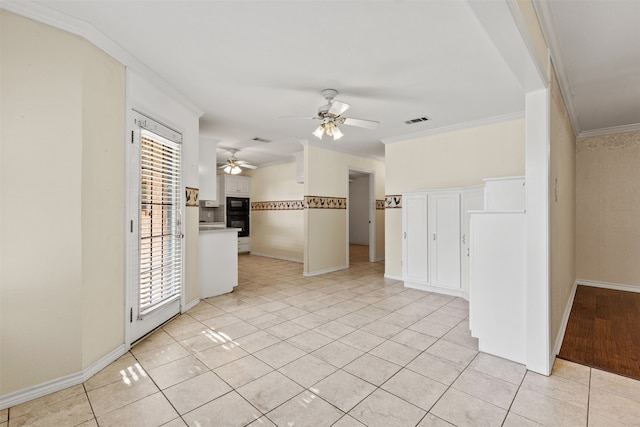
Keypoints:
pixel 616 141
pixel 192 196
pixel 379 205
pixel 319 202
pixel 282 205
pixel 393 201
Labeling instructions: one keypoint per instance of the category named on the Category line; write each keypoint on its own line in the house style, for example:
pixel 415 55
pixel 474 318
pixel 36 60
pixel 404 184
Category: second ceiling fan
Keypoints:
pixel 330 116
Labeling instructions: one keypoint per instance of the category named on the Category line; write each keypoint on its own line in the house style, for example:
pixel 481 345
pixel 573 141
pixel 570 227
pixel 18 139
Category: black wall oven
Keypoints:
pixel 238 209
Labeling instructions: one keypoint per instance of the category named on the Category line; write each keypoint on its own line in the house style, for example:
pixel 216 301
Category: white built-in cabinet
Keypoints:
pixel 432 240
pixel 207 169
pixel 235 185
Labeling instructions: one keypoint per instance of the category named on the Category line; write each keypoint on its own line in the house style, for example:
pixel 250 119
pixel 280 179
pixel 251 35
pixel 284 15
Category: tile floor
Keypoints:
pixel 348 348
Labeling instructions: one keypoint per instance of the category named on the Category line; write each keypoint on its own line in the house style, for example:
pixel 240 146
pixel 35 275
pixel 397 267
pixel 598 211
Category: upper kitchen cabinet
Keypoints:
pixel 207 169
pixel 235 185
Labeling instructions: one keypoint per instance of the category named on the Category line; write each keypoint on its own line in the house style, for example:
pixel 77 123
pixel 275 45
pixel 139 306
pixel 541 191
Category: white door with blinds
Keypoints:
pixel 156 270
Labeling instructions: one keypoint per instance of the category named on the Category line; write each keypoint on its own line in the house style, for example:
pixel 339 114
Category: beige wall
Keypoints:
pixel 562 209
pixel 327 175
pixel 608 208
pixel 62 204
pixel 277 233
pixel 454 159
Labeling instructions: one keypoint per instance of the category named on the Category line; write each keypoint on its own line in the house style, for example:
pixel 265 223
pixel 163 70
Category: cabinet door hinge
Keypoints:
pixel 131 315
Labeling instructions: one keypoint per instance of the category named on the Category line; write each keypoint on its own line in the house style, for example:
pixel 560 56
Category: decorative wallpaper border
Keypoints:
pixel 379 205
pixel 617 141
pixel 281 205
pixel 393 201
pixel 320 202
pixel 192 197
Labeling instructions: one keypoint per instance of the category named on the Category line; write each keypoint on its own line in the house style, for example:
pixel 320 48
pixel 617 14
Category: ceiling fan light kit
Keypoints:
pixel 233 165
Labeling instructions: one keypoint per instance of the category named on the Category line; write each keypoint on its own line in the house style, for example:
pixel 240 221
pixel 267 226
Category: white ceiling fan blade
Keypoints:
pixel 247 166
pixel 338 108
pixel 297 117
pixel 369 124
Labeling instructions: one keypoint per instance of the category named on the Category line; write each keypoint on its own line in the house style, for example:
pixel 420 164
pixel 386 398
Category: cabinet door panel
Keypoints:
pixel 416 240
pixel 445 240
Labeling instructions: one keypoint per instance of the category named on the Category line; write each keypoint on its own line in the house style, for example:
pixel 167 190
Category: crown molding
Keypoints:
pixel 547 24
pixel 451 128
pixel 609 131
pixel 48 16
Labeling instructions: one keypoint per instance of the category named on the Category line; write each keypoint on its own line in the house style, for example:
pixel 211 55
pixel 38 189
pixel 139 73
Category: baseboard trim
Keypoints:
pixel 190 305
pixel 563 325
pixel 436 289
pixel 325 271
pixel 379 259
pixel 283 258
pixel 36 391
pixel 392 276
pixel 615 286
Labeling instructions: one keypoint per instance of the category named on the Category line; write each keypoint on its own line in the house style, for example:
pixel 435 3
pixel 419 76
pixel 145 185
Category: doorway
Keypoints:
pixel 361 218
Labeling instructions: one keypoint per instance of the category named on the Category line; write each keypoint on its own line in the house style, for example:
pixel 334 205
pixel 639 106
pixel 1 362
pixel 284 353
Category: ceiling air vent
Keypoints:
pixel 418 120
pixel 258 139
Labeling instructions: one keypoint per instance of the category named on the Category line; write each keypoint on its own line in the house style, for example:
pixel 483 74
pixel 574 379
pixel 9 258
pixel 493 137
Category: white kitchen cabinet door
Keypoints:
pixel 244 185
pixel 444 221
pixel 472 200
pixel 415 266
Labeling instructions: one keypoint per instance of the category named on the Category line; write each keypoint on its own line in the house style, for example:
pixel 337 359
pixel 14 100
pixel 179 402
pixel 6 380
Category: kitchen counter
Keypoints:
pixel 218 259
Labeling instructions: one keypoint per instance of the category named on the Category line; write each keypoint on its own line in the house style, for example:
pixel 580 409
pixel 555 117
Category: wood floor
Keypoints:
pixel 604 331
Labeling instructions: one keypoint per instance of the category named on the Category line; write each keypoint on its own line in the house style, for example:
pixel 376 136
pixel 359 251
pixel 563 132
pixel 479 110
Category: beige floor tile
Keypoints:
pixel 308 370
pixel 266 321
pixel 485 387
pixel 257 341
pixel 355 320
pixel 150 411
pixel 414 339
pixel 515 420
pixel 203 341
pixel 309 341
pixel 433 367
pixel 157 339
pixel 361 340
pixel 228 410
pixel 338 354
pixel 558 388
pixel 455 353
pixel 270 391
pixel 372 369
pixel 161 355
pixel 415 388
pixel 382 329
pixel 221 355
pixel 334 330
pixel 237 330
pixel 546 410
pixel 332 312
pixel 428 327
pixel 372 312
pixel 597 420
pixel 186 330
pixel 286 330
pixel 279 354
pixel 498 367
pixel 310 320
pixel 343 390
pixel 461 409
pixel 249 313
pixel 401 319
pixel 89 423
pixel 305 410
pixel 614 407
pixel 394 352
pixel 177 371
pixel 4 415
pixel 462 335
pixel 616 384
pixel 42 402
pixel 195 392
pixel 243 371
pixel 178 422
pixel 221 321
pixel 206 312
pixel 348 421
pixel 382 409
pixel 116 395
pixel 262 422
pixel 571 371
pixel 431 420
pixel 290 312
pixel 69 412
pixel 125 367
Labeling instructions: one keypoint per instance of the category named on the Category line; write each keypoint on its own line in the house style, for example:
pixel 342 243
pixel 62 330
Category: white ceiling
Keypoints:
pixel 246 64
pixel 596 50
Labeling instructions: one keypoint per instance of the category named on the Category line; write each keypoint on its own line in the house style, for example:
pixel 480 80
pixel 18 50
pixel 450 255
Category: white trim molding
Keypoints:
pixel 36 391
pixel 393 277
pixel 283 258
pixel 190 305
pixel 606 285
pixel 326 270
pixel 565 321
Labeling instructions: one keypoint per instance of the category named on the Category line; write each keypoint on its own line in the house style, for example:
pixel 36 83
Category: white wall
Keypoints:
pixel 359 211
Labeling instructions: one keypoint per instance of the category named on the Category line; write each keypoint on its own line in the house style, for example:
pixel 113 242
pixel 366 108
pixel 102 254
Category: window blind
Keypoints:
pixel 160 221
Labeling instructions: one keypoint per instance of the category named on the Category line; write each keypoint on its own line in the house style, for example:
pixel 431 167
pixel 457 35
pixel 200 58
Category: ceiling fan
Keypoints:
pixel 331 116
pixel 233 165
